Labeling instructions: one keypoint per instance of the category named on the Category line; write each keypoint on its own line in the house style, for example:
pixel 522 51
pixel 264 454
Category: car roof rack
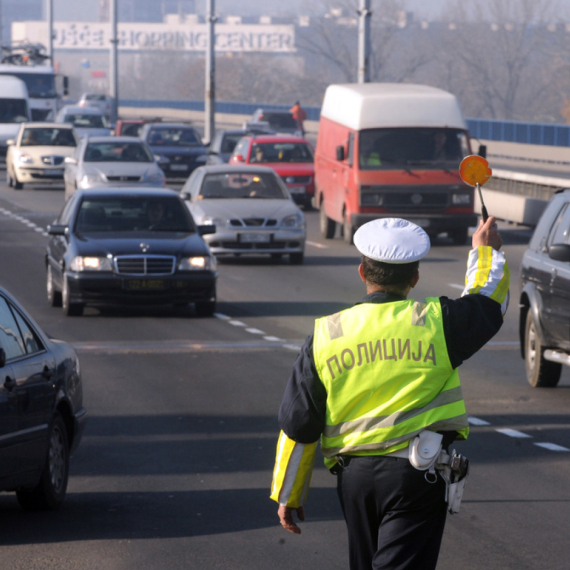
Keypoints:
pixel 23 54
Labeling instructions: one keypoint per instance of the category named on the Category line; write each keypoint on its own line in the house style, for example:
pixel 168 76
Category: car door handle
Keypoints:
pixel 48 372
pixel 9 383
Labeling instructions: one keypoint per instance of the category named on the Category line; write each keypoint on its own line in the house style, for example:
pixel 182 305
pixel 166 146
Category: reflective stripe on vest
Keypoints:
pixel 387 374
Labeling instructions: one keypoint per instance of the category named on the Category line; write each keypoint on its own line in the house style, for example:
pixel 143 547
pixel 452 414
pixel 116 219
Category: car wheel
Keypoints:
pixel 8 178
pixel 347 230
pixel 16 184
pixel 327 226
pixel 297 258
pixel 540 373
pixel 69 309
pixel 53 296
pixel 50 491
pixel 460 236
pixel 205 308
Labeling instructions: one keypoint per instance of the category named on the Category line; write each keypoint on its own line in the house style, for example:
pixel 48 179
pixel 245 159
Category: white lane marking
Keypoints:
pixel 512 432
pixel 504 343
pixel 273 339
pixel 40 230
pixel 237 323
pixel 315 244
pixel 477 422
pixel 552 446
pixel 222 316
pixel 255 331
pixel 295 347
pixel 456 286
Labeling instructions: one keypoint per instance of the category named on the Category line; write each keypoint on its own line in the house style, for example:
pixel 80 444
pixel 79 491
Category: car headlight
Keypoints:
pixel 461 199
pixel 92 178
pixel 154 177
pixel 26 159
pixel 218 222
pixel 294 221
pixel 200 263
pixel 81 263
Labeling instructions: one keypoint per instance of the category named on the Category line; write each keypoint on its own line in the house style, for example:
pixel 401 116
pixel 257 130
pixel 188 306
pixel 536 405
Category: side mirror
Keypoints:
pixel 559 252
pixel 10 142
pixel 207 229
pixel 2 358
pixel 482 150
pixel 340 152
pixel 70 160
pixel 186 196
pixel 57 230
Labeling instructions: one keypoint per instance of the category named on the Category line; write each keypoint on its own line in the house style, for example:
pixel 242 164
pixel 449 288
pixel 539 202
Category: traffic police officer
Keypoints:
pixel 371 378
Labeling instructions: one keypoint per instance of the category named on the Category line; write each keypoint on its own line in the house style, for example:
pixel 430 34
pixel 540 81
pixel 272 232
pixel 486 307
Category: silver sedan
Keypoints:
pixel 111 161
pixel 251 208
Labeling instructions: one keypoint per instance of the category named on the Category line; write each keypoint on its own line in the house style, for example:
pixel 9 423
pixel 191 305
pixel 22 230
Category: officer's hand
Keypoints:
pixel 487 234
pixel 286 518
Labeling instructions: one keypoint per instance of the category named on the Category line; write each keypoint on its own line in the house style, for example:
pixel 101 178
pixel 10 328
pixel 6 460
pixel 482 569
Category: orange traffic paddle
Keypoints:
pixel 474 170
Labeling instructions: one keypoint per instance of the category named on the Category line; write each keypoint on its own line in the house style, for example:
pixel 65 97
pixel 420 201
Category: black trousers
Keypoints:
pixel 395 518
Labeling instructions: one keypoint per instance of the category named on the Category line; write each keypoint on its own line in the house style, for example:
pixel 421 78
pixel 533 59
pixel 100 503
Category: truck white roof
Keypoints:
pixel 12 88
pixel 377 105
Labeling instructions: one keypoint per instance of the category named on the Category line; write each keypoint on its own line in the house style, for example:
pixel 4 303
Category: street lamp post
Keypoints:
pixel 364 16
pixel 210 91
pixel 114 64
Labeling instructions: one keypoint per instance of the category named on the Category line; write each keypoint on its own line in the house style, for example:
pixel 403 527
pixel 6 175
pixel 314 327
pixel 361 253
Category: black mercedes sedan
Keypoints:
pixel 129 246
pixel 42 417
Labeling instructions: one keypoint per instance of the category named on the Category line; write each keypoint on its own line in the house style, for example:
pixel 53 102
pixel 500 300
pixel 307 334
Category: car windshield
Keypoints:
pixel 117 152
pixel 390 149
pixel 235 185
pixel 229 142
pixel 40 85
pixel 13 111
pixel 173 137
pixel 280 120
pixel 47 136
pixel 86 121
pixel 95 97
pixel 281 152
pixel 133 214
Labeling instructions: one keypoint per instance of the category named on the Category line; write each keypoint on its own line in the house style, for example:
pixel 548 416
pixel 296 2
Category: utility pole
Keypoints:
pixel 114 63
pixel 50 31
pixel 210 92
pixel 1 23
pixel 364 16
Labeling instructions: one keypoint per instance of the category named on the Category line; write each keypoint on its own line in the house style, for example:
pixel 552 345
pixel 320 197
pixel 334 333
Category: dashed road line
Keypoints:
pixel 456 286
pixel 512 432
pixel 316 244
pixel 477 422
pixel 552 446
pixel 24 221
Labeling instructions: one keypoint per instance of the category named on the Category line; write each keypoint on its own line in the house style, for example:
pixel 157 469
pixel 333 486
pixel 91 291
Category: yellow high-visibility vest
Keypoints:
pixel 388 376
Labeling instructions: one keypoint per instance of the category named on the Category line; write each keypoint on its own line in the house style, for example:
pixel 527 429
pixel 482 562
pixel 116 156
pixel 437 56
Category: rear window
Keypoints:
pixel 173 137
pixel 281 152
pixel 86 121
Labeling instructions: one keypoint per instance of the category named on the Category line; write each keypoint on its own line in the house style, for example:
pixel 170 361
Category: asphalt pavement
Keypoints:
pixel 175 466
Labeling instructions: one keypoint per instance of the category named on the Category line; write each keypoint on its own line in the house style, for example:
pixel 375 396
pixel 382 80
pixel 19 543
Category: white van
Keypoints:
pixel 14 109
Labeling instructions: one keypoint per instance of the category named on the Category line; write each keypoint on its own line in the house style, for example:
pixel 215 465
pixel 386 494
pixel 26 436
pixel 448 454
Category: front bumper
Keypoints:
pixel 431 223
pixel 110 288
pixel 274 241
pixel 302 195
pixel 39 174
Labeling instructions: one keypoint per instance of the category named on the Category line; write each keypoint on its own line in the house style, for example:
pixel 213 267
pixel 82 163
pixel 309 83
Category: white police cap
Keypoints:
pixel 392 240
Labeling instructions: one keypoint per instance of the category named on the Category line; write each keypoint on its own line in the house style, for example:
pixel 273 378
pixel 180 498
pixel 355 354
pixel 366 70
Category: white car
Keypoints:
pixel 88 121
pixel 97 100
pixel 38 152
pixel 251 208
pixel 112 161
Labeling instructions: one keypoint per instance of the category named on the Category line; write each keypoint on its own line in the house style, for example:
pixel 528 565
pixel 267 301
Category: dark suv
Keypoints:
pixel 544 325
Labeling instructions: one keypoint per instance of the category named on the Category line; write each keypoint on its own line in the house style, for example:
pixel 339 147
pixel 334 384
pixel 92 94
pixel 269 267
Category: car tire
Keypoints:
pixel 69 309
pixel 53 296
pixel 460 236
pixel 8 178
pixel 347 229
pixel 540 373
pixel 50 491
pixel 205 308
pixel 327 226
pixel 16 184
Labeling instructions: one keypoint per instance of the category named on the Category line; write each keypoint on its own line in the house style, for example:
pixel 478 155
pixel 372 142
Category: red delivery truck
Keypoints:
pixel 392 150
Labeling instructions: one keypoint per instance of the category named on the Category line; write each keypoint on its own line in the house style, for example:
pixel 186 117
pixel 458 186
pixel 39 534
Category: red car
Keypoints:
pixel 290 157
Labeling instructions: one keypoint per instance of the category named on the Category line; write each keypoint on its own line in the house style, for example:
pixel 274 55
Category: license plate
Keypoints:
pixel 143 284
pixel 297 189
pixel 255 238
pixel 179 167
pixel 53 172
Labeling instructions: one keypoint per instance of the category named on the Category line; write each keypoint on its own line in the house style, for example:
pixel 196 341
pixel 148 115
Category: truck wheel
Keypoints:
pixel 540 373
pixel 347 230
pixel 327 226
